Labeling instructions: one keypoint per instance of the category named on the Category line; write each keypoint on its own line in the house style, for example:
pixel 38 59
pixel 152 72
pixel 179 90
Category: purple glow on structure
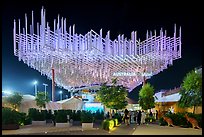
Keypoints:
pixel 85 59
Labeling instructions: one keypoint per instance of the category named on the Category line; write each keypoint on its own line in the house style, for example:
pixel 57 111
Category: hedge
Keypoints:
pixel 36 115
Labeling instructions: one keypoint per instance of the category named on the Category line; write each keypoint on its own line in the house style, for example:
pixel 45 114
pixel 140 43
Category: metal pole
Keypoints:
pixel 53 85
pixel 45 89
pixel 60 96
pixel 35 90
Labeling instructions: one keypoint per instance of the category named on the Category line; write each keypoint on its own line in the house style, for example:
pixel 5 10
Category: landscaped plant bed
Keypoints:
pixel 184 126
pixel 76 123
pixel 10 127
pixel 39 123
pixel 87 120
pixel 48 120
pixel 87 126
pixel 98 121
pixel 63 124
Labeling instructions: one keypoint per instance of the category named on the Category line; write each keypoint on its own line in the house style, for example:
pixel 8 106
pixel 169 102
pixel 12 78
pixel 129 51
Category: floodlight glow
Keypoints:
pixel 35 82
pixel 7 92
pixel 80 60
pixel 60 92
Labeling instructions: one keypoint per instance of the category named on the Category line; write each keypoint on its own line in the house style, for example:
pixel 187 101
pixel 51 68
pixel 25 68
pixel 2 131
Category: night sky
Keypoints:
pixel 120 17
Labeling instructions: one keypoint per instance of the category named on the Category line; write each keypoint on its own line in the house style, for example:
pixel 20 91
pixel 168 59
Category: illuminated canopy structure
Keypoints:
pixel 82 60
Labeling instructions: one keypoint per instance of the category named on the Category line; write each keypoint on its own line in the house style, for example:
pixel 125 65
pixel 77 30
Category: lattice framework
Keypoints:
pixel 82 60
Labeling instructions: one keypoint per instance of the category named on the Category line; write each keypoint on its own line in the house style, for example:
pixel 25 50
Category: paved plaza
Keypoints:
pixel 151 129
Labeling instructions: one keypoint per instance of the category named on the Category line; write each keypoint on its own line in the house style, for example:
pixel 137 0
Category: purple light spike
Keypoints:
pixel 65 32
pixel 31 32
pixel 125 48
pixel 135 43
pixel 70 30
pixel 122 45
pixel 119 45
pixel 42 16
pixel 58 23
pixel 73 29
pixel 62 26
pixel 161 40
pixel 108 43
pixel 48 33
pixel 26 32
pixel 147 34
pixel 180 41
pixel 175 46
pixel 132 35
pixel 150 34
pixel 14 36
pixel 38 34
pixel 33 23
pixel 19 27
pixel 44 20
pixel 54 26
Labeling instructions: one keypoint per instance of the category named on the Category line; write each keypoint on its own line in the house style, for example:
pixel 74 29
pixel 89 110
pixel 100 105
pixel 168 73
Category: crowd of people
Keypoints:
pixel 137 117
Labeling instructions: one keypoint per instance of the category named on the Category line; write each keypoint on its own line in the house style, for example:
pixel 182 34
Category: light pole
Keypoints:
pixel 45 89
pixel 60 94
pixel 35 83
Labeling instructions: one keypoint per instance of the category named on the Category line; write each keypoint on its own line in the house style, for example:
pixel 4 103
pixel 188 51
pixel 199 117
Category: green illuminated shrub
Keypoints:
pixel 10 116
pixel 115 122
pixel 109 124
pixel 150 119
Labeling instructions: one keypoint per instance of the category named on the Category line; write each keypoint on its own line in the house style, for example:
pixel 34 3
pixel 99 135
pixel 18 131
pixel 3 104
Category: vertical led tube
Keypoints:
pixel 53 85
pixel 32 23
pixel 135 43
pixel 180 41
pixel 14 36
pixel 26 32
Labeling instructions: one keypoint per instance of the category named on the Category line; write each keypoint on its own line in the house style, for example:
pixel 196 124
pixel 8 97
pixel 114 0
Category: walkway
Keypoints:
pixel 151 129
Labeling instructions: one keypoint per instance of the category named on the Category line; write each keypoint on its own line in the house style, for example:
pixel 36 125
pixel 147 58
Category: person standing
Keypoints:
pixel 139 117
pixel 127 117
pixel 130 114
pixel 143 116
pixel 135 116
pixel 107 115
pixel 122 116
pixel 156 115
pixel 113 114
pixel 150 114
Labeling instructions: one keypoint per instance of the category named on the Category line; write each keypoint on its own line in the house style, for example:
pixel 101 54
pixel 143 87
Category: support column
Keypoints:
pixel 53 85
pixel 144 78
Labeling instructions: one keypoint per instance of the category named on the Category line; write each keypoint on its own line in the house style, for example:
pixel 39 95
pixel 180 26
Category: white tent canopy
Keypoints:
pixel 170 98
pixel 72 103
